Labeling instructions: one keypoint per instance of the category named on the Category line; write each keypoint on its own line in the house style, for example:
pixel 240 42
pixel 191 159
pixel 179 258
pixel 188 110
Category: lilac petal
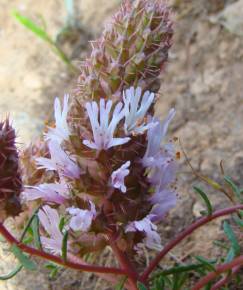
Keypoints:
pixel 156 134
pixel 49 219
pixel 49 192
pixel 81 219
pixel 103 130
pixel 133 114
pixel 61 131
pixel 152 239
pixel 163 202
pixel 118 177
pixel 60 162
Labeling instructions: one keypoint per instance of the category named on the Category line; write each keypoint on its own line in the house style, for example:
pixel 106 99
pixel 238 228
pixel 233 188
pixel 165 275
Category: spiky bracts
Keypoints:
pixel 132 51
pixel 10 178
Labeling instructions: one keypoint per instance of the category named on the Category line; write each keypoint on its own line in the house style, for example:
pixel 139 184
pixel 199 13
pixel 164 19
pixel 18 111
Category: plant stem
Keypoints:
pixel 218 270
pixel 200 222
pixel 34 252
pixel 125 264
pixel 225 279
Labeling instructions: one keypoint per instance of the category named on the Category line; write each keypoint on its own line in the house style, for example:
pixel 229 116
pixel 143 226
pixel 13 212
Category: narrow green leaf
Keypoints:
pixel 28 23
pixel 23 259
pixel 36 234
pixel 238 221
pixel 234 187
pixel 62 223
pixel 121 283
pixel 28 226
pixel 207 264
pixel 54 268
pixel 232 237
pixel 179 269
pixel 221 245
pixel 141 286
pixel 12 273
pixel 53 272
pixel 205 199
pixel 230 256
pixel 64 246
pixel 159 283
pixel 178 280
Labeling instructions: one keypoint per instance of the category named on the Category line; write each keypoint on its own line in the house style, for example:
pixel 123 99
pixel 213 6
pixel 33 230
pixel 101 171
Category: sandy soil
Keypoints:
pixel 203 82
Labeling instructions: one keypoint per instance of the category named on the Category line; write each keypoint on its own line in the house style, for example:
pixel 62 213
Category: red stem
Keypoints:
pixel 237 262
pixel 200 222
pixel 34 252
pixel 225 279
pixel 125 264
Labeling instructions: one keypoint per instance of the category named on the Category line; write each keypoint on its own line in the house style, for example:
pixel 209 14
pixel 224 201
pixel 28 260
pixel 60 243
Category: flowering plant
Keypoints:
pixel 105 174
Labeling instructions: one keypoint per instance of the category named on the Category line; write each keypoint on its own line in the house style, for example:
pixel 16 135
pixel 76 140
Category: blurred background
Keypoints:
pixel 203 81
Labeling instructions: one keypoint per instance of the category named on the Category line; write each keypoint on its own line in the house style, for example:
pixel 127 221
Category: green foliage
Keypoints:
pixel 41 33
pixel 35 230
pixel 141 286
pixel 12 273
pixel 235 247
pixel 64 246
pixel 120 284
pixel 207 202
pixel 23 258
pixel 53 268
pixel 30 25
pixel 235 188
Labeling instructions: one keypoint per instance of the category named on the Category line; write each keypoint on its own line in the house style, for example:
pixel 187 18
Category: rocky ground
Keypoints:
pixel 203 81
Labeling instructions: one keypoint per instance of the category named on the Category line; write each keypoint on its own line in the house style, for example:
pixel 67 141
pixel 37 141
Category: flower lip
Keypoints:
pixel 81 219
pixel 118 177
pixel 50 220
pixel 103 128
pixel 59 161
pixel 61 132
pixel 136 108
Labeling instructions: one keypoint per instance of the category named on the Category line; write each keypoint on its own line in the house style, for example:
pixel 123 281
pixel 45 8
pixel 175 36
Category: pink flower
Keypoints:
pixel 49 192
pixel 136 111
pixel 152 239
pixel 103 128
pixel 81 219
pixel 60 161
pixel 49 219
pixel 118 177
pixel 61 131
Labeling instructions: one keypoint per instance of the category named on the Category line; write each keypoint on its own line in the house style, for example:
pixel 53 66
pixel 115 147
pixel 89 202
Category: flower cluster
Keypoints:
pixel 10 178
pixel 116 176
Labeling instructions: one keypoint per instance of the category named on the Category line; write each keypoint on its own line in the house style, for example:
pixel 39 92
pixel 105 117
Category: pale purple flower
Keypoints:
pixel 163 201
pixel 49 192
pixel 59 161
pixel 61 131
pixel 152 239
pixel 118 177
pixel 164 197
pixel 155 136
pixel 103 128
pixel 49 219
pixel 135 110
pixel 81 219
